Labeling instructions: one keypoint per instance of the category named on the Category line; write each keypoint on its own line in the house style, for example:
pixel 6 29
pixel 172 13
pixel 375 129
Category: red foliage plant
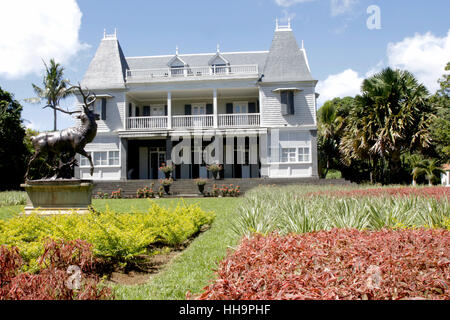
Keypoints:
pixel 435 192
pixel 55 281
pixel 337 264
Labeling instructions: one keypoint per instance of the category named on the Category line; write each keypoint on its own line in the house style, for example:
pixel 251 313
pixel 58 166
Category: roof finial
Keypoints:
pixel 115 32
pixel 176 50
pixel 303 44
pixel 276 24
pixel 218 48
pixel 104 33
pixel 289 22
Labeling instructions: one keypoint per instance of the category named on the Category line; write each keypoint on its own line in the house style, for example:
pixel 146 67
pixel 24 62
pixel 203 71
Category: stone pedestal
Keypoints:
pixel 58 196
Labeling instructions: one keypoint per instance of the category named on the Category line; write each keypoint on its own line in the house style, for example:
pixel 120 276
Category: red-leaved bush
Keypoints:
pixel 61 263
pixel 435 192
pixel 337 264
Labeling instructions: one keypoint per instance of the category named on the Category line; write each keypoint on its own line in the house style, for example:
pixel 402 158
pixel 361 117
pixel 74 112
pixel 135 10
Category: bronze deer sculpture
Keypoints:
pixel 68 142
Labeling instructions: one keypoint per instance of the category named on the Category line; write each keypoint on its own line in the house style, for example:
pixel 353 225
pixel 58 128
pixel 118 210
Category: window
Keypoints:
pixel 287 102
pixel 113 158
pixel 288 154
pixel 219 68
pixel 84 162
pixel 101 158
pixel 303 155
pixel 240 107
pixel 177 70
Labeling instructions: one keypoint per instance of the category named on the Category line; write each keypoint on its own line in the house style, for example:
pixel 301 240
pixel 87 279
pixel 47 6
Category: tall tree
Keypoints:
pixel 440 128
pixel 53 90
pixel 13 152
pixel 390 117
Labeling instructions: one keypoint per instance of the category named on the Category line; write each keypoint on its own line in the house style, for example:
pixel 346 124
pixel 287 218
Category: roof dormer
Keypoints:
pixel 176 61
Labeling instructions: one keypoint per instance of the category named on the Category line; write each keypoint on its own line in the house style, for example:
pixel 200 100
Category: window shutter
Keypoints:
pixel 291 109
pixel 130 110
pixel 251 107
pixel 209 108
pixel 187 109
pixel 146 110
pixel 229 108
pixel 137 111
pixel 103 109
pixel 165 111
pixel 284 102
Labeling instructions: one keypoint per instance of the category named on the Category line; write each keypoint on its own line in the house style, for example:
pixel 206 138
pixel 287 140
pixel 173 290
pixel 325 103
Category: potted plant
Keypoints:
pixel 166 183
pixel 214 169
pixel 200 184
pixel 166 169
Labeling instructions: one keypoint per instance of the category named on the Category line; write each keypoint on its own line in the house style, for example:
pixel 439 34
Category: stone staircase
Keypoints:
pixel 188 188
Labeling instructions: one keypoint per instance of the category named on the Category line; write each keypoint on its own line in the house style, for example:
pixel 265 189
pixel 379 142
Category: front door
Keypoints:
pixel 157 158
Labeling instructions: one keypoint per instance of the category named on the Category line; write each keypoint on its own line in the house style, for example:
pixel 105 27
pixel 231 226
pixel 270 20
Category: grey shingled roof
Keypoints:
pixel 285 61
pixel 202 59
pixel 107 69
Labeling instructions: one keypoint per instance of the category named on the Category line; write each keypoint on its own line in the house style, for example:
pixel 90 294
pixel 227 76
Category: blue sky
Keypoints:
pixel 341 49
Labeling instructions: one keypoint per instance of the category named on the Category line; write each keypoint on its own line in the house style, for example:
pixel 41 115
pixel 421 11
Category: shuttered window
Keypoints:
pixel 287 102
pixel 103 115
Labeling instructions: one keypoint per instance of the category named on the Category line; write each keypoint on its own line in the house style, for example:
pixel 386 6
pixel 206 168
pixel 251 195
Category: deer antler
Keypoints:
pixel 88 98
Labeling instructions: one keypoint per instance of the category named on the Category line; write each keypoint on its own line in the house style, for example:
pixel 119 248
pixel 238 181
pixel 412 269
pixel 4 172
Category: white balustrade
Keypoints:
pixel 143 75
pixel 234 120
pixel 193 121
pixel 136 123
pixel 239 120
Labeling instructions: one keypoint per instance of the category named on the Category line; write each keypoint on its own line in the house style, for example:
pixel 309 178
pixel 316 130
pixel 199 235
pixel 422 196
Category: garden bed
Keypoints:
pixel 337 264
pixel 431 192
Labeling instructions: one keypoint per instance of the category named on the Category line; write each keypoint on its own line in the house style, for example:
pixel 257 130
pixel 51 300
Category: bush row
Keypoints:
pixel 337 264
pixel 114 236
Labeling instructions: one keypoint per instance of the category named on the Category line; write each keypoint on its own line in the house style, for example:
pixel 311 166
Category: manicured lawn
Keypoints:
pixel 192 270
pixel 9 211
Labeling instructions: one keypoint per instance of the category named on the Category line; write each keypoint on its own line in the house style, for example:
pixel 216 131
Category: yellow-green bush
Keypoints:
pixel 118 236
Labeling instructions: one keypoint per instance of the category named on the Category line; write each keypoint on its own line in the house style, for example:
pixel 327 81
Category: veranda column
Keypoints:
pixel 216 116
pixel 123 159
pixel 169 110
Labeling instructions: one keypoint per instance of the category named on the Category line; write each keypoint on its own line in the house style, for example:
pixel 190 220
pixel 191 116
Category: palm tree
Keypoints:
pixel 390 117
pixel 54 88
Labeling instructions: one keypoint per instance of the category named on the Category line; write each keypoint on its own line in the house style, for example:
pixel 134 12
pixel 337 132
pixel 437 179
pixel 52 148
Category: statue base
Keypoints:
pixel 62 196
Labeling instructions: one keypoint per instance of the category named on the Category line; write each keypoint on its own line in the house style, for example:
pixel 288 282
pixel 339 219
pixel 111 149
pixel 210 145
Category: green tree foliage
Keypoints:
pixel 440 128
pixel 391 116
pixel 53 90
pixel 393 132
pixel 13 152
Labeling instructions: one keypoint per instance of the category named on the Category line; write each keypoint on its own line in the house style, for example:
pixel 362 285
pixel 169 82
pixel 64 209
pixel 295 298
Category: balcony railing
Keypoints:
pixel 137 123
pixel 196 121
pixel 143 75
pixel 239 120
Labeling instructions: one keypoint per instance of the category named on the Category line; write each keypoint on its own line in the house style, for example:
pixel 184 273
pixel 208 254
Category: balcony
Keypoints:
pixel 184 73
pixel 238 120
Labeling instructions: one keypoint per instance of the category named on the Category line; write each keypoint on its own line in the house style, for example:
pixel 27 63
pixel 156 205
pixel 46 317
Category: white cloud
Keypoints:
pixel 424 55
pixel 346 83
pixel 32 31
pixel 339 7
pixel 288 3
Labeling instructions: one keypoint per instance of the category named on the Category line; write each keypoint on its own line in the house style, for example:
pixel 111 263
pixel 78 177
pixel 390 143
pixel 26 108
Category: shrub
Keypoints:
pixel 166 182
pixel 54 281
pixel 117 194
pixel 337 264
pixel 200 181
pixel 146 192
pixel 13 198
pixel 116 237
pixel 166 168
pixel 286 210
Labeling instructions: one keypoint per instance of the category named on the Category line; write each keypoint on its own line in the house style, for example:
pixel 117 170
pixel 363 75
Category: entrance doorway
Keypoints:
pixel 150 160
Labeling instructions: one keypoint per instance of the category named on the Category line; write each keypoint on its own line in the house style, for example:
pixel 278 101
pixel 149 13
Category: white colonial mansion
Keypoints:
pixel 252 111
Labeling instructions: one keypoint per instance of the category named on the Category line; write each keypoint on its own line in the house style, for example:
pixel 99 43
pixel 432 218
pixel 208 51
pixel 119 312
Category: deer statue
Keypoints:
pixel 68 142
